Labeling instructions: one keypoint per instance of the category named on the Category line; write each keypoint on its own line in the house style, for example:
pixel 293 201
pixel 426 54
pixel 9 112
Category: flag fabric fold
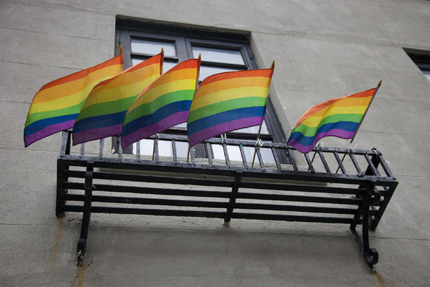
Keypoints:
pixel 56 105
pixel 163 104
pixel 339 117
pixel 104 110
pixel 228 101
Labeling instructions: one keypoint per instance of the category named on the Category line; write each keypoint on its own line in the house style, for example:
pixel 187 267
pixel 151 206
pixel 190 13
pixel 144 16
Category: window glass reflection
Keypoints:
pixel 206 71
pixel 164 148
pixel 218 55
pixel 166 65
pixel 152 47
pixel 254 129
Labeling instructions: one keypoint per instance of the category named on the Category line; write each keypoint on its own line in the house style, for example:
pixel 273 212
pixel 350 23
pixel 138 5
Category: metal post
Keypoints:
pixel 81 248
pixel 61 191
pixel 233 197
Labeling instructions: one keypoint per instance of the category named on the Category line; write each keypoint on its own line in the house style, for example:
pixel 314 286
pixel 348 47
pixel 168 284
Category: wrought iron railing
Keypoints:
pixel 330 185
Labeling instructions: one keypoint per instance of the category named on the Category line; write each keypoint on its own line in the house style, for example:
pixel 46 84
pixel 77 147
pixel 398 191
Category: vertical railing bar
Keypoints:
pixel 275 157
pixel 227 159
pixel 371 165
pixel 242 154
pixel 193 156
pixel 260 158
pixel 384 204
pixel 86 214
pixel 175 156
pixel 119 148
pixel 324 162
pixel 385 166
pixel 69 142
pixel 354 161
pixel 292 159
pixel 62 167
pixel 102 146
pixel 137 150
pixel 82 151
pixel 156 152
pixel 339 161
pixel 233 196
pixel 308 161
pixel 64 143
pixel 209 153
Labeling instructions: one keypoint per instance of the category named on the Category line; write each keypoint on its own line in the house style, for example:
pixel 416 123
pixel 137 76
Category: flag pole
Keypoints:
pixel 188 154
pixel 259 130
pixel 162 60
pixel 197 83
pixel 255 151
pixel 373 97
pixel 356 131
pixel 153 148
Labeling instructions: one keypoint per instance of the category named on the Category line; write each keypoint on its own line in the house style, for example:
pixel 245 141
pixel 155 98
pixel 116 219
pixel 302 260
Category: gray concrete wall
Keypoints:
pixel 322 49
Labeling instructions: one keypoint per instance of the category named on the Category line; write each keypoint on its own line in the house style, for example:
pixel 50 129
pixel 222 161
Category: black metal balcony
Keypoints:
pixel 330 185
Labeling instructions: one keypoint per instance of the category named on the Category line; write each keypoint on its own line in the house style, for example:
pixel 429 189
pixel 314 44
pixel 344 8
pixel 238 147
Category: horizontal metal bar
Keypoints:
pixel 298 198
pixel 305 188
pixel 148 190
pixel 142 211
pixel 210 214
pixel 225 171
pixel 149 201
pixel 311 209
pixel 152 178
pixel 296 218
pixel 251 143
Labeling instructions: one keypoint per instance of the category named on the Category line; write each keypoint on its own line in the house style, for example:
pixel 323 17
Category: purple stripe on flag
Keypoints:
pixel 96 134
pixel 148 131
pixel 47 131
pixel 223 128
pixel 334 132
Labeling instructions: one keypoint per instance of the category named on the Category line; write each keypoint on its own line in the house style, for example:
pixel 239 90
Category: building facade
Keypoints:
pixel 322 50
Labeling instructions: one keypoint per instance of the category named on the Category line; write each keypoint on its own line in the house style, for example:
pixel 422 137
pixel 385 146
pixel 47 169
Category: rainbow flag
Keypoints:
pixel 338 117
pixel 228 101
pixel 104 110
pixel 163 104
pixel 56 105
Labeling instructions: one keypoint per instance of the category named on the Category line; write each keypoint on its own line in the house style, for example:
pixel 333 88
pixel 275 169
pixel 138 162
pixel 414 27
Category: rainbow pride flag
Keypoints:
pixel 228 101
pixel 163 104
pixel 340 117
pixel 104 110
pixel 56 105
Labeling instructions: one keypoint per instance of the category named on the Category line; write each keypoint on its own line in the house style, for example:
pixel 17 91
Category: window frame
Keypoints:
pixel 185 39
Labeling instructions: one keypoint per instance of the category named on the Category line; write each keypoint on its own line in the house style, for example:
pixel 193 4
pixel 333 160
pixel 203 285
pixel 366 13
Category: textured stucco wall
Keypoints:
pixel 323 49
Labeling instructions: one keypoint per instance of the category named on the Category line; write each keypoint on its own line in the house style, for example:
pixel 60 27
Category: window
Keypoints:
pixel 421 59
pixel 220 52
